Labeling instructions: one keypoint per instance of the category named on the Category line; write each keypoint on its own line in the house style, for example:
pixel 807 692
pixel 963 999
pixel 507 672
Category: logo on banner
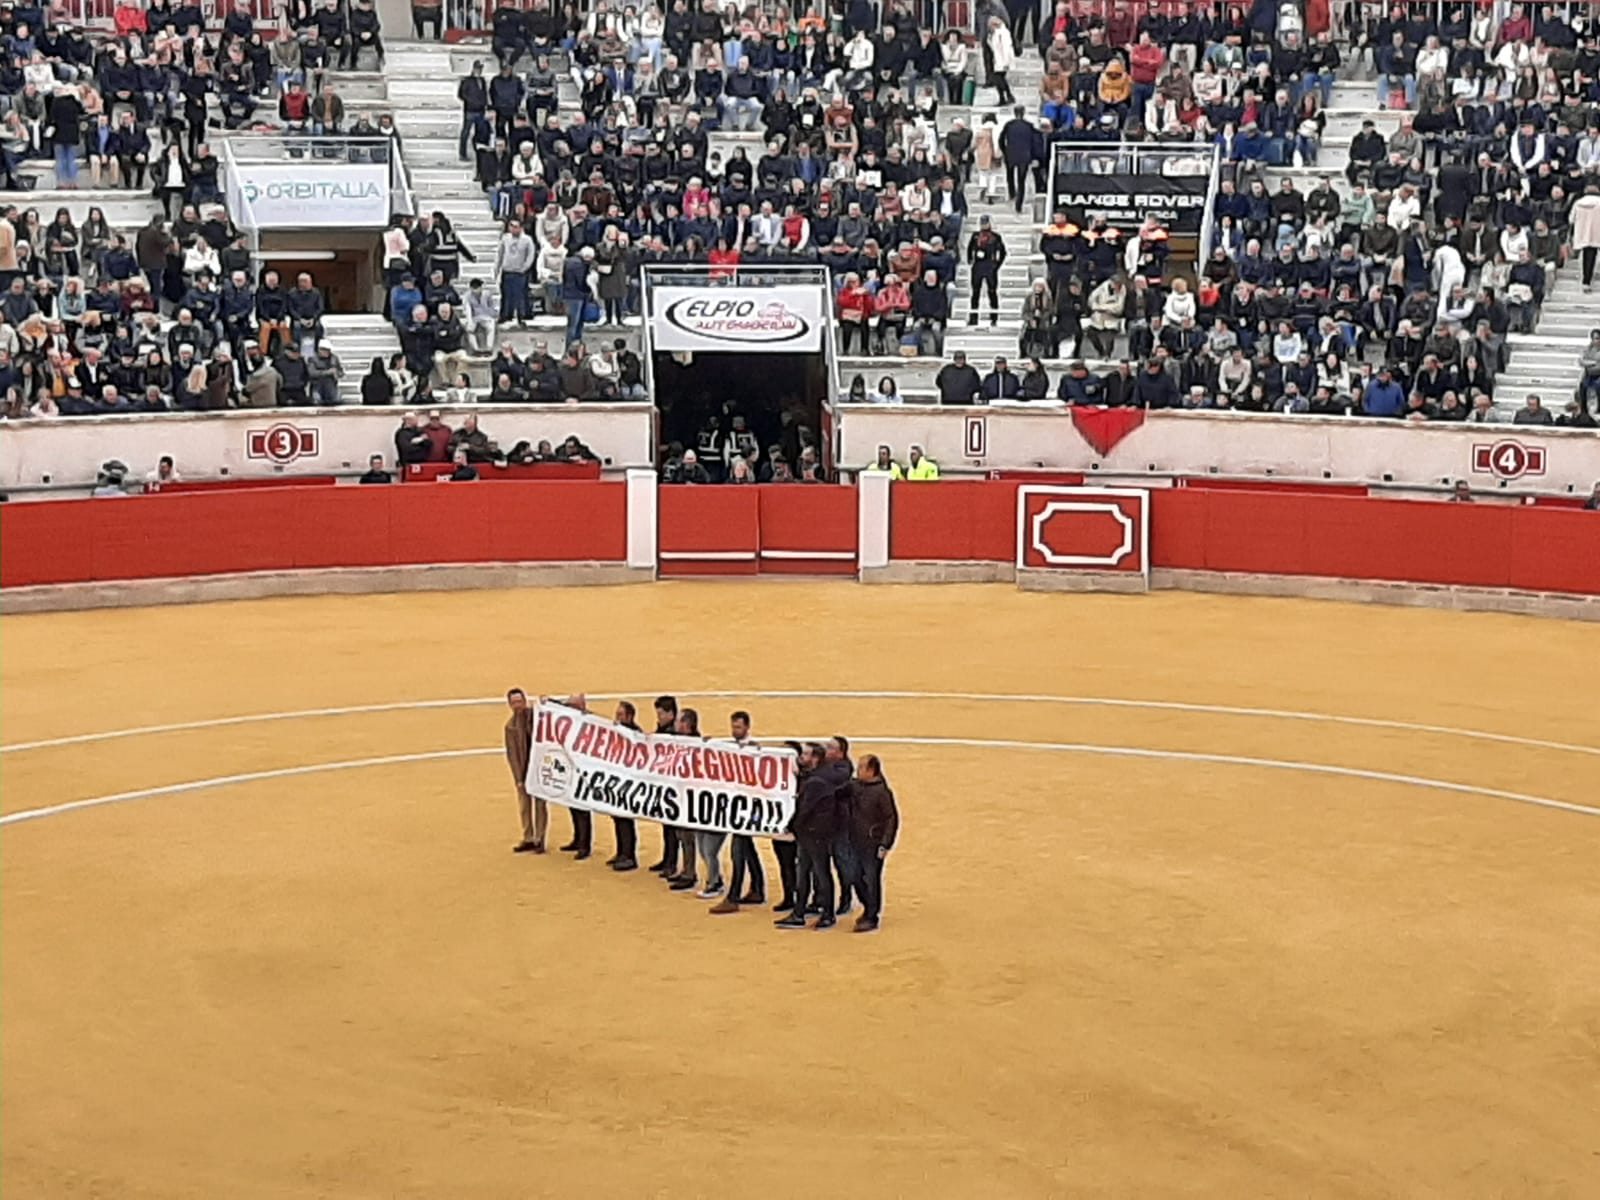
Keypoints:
pixel 1067 528
pixel 555 773
pixel 313 191
pixel 1508 459
pixel 738 320
pixel 283 444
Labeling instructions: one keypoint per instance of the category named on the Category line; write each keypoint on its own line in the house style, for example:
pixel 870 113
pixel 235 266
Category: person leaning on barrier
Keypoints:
pixel 921 466
pixel 958 381
pixel 885 464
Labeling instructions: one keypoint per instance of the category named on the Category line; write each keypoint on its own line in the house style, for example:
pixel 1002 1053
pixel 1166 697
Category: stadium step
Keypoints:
pixel 125 210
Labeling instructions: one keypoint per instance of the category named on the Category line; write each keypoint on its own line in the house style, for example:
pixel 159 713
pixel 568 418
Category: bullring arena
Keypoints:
pixel 1199 635
pixel 1195 895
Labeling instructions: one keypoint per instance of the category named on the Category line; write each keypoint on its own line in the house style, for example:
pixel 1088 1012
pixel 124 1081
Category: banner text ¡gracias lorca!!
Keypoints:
pixel 728 787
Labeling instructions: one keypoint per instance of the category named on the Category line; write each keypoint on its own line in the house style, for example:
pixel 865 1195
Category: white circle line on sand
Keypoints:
pixel 1232 760
pixel 1225 710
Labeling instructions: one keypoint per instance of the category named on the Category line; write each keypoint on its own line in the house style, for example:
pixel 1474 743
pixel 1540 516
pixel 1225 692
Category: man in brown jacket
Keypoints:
pixel 519 745
pixel 874 824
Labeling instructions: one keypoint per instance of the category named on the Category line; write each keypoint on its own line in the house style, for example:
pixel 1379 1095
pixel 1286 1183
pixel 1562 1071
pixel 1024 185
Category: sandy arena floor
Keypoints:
pixel 1100 974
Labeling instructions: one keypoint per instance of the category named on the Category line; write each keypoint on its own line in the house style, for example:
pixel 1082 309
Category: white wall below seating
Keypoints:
pixel 1198 443
pixel 69 450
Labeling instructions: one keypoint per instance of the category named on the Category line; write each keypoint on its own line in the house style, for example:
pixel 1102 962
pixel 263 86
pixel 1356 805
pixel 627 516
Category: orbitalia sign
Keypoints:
pixel 788 320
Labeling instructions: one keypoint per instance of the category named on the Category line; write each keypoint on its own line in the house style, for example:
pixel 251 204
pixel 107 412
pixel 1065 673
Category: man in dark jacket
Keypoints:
pixel 814 825
pixel 1155 387
pixel 836 758
pixel 1017 147
pixel 625 859
pixel 666 722
pixel 874 824
pixel 958 381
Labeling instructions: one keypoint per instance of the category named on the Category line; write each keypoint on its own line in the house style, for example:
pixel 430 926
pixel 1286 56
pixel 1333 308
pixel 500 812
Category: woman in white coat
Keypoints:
pixel 1449 272
pixel 1585 219
pixel 1002 54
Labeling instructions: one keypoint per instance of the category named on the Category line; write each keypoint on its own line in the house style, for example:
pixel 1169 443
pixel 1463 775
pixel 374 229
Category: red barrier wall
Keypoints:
pixel 1287 532
pixel 779 529
pixel 1468 545
pixel 953 520
pixel 145 537
pixel 808 530
pixel 709 530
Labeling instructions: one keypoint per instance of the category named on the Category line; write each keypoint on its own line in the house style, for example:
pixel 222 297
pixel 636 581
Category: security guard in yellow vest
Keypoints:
pixel 922 467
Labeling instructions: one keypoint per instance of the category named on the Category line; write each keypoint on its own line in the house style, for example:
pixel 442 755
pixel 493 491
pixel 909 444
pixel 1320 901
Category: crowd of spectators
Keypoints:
pixel 853 170
pixel 428 438
pixel 174 314
pixel 1392 294
pixel 740 443
pixel 95 320
pixel 1442 240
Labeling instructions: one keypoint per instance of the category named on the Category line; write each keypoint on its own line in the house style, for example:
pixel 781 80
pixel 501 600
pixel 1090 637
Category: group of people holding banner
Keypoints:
pixel 824 814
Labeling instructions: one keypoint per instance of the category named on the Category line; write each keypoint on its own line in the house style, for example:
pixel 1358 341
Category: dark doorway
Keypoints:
pixel 781 398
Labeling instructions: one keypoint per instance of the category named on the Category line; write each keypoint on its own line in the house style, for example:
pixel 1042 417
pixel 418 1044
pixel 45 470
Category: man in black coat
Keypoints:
pixel 1017 147
pixel 958 381
pixel 666 722
pixel 874 825
pixel 625 859
pixel 814 825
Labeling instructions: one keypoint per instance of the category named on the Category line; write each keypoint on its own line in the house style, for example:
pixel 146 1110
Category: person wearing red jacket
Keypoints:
pixel 855 307
pixel 891 306
pixel 1145 61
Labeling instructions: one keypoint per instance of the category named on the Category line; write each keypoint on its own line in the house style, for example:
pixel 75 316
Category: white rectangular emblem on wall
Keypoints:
pixel 785 320
pixel 976 438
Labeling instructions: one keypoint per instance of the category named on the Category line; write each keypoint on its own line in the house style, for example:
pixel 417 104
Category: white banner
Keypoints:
pixel 788 320
pixel 295 195
pixel 585 761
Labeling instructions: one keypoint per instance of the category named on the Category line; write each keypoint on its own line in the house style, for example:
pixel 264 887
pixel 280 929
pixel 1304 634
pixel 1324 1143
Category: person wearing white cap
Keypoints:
pixel 577 290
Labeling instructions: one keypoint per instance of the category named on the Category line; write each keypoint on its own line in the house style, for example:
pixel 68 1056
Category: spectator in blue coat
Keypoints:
pixel 1384 397
pixel 575 292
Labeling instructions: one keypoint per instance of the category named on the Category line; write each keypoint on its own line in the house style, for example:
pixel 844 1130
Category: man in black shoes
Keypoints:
pixel 814 825
pixel 745 855
pixel 582 819
pixel 874 824
pixel 986 254
pixel 787 849
pixel 837 759
pixel 519 746
pixel 626 857
pixel 666 722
